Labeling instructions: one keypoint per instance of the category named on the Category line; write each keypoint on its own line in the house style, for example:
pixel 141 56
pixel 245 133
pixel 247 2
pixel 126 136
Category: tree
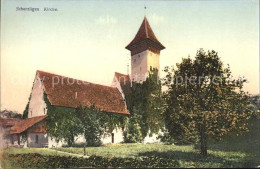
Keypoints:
pixel 90 123
pixel 25 112
pixel 93 123
pixel 10 114
pixel 146 105
pixel 133 132
pixel 203 100
pixel 62 123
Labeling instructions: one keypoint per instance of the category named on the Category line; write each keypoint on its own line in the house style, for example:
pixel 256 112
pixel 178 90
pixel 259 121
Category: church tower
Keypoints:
pixel 145 52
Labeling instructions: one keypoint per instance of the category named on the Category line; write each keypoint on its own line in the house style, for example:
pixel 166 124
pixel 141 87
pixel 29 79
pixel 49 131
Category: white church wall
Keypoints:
pixel 118 137
pixel 105 139
pixel 52 143
pixel 37 106
pixel 115 83
pixel 139 66
pixel 141 63
pixel 37 140
pixel 79 139
pixel 153 138
pixel 153 60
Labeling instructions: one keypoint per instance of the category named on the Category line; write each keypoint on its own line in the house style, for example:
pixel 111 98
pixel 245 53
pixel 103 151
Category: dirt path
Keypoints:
pixel 70 154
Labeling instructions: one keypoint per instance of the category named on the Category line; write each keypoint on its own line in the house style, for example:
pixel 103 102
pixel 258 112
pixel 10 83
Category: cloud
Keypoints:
pixel 106 20
pixel 156 19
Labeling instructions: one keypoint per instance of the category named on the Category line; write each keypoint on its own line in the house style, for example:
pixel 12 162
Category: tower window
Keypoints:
pixel 134 60
pixel 140 68
pixel 139 56
pixel 31 113
pixel 44 110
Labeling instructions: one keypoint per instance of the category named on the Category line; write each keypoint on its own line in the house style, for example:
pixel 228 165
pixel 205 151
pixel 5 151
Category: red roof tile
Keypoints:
pixel 122 77
pixel 72 93
pixel 41 128
pixel 26 124
pixel 145 32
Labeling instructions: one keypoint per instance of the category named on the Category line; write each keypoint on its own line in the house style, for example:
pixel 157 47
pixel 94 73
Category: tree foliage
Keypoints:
pixel 10 114
pixel 66 123
pixel 133 133
pixel 94 123
pixel 62 124
pixel 146 107
pixel 90 123
pixel 203 100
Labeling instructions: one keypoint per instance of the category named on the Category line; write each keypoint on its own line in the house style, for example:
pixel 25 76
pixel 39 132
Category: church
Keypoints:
pixel 70 93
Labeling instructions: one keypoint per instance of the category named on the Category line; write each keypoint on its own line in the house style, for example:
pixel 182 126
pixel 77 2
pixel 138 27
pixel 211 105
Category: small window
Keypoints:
pixel 134 60
pixel 140 68
pixel 44 110
pixel 139 56
pixel 18 138
pixel 31 113
pixel 36 139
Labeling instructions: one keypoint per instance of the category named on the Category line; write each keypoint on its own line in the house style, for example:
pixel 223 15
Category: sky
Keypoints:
pixel 86 40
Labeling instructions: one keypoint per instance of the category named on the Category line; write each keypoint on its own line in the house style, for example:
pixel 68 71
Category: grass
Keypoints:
pixel 42 151
pixel 5 163
pixel 188 156
pixel 233 151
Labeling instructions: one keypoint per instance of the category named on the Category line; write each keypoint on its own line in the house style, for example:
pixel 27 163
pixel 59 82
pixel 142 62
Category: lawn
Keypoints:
pixel 187 156
pixel 233 151
pixel 42 151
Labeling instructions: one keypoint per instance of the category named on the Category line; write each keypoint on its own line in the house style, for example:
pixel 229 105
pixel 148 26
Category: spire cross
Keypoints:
pixel 145 9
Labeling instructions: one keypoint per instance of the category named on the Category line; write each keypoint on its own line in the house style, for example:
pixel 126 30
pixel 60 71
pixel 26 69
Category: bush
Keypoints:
pixel 133 132
pixel 35 160
pixel 166 138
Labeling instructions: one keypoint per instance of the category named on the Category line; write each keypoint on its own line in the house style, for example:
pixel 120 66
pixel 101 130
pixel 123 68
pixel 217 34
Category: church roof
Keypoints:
pixel 145 32
pixel 122 78
pixel 68 92
pixel 25 124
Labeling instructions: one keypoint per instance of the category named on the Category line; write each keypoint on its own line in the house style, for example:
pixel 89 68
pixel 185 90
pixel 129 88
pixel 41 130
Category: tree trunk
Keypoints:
pixel 203 140
pixel 71 141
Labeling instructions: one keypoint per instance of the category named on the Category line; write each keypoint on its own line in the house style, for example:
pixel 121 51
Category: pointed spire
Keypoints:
pixel 145 33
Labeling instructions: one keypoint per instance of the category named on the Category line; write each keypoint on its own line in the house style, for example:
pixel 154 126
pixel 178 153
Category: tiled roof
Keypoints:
pixel 26 124
pixel 145 32
pixel 41 128
pixel 8 122
pixel 67 92
pixel 122 77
